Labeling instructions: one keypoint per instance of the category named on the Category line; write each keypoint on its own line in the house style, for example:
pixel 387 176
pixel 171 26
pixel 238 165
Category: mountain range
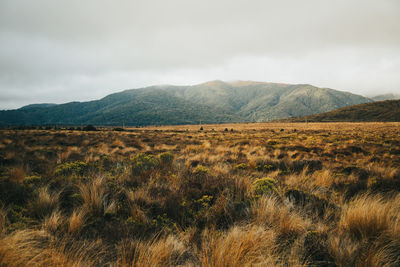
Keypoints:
pixel 210 102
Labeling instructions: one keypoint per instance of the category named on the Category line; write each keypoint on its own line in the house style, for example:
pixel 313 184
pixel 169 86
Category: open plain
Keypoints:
pixel 263 194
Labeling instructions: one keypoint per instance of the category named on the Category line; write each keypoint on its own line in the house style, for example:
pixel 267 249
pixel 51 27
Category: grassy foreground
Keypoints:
pixel 259 194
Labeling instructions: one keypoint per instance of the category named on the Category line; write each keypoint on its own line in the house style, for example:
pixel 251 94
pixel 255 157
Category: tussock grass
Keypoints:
pixel 368 217
pixel 2 220
pixel 94 197
pixel 36 248
pixel 307 195
pixel 168 251
pixel 45 203
pixel 76 221
pixel 240 246
pixel 268 211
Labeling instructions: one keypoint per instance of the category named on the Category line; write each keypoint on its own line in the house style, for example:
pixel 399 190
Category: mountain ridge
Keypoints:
pixel 210 102
pixel 380 111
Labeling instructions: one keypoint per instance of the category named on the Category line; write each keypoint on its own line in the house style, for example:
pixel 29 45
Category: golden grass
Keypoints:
pixel 248 246
pixel 331 196
pixel 269 212
pixel 45 203
pixel 76 221
pixel 2 220
pixel 168 251
pixel 368 217
pixel 36 248
pixel 53 222
pixel 93 195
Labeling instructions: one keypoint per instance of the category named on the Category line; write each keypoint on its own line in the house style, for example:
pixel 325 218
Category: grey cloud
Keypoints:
pixel 57 48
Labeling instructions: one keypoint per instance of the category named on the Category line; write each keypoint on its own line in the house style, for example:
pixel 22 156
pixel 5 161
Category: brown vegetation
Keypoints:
pixel 259 195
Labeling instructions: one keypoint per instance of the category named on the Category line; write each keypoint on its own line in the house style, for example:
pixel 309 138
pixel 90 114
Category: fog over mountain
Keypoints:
pixel 61 51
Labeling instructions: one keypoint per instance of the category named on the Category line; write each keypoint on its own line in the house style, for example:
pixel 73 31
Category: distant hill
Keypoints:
pixel 210 102
pixel 33 106
pixel 388 110
pixel 386 97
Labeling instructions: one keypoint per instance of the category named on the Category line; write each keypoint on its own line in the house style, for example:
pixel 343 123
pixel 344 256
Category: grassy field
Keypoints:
pixel 265 194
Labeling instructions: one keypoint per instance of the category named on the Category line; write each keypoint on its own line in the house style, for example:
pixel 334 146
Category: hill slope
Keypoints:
pixel 388 110
pixel 211 102
pixel 386 97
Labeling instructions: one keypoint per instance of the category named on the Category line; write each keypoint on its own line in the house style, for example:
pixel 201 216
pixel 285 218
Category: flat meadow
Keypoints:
pixel 257 194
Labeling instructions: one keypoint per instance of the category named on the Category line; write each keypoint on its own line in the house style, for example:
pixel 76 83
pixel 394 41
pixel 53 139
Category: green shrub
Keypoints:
pixel 31 181
pixel 265 167
pixel 204 201
pixel 272 142
pixel 166 158
pixel 142 163
pixel 263 186
pixel 200 170
pixel 72 168
pixel 106 162
pixel 241 166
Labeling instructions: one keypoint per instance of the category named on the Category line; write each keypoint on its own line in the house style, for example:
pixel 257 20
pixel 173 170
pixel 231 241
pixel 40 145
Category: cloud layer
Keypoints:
pixel 59 51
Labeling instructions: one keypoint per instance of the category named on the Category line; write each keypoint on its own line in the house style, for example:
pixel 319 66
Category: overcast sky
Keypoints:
pixel 59 51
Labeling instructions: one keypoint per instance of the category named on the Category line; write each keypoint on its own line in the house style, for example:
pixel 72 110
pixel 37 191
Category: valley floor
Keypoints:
pixel 265 194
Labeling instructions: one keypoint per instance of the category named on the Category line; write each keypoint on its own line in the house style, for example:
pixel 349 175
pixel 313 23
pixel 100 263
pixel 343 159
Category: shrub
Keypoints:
pixel 89 128
pixel 166 158
pixel 263 186
pixel 200 170
pixel 241 166
pixel 72 168
pixel 119 129
pixel 31 181
pixel 272 142
pixel 142 163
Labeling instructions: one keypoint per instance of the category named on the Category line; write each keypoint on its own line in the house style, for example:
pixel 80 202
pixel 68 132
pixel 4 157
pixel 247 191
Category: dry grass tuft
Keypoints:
pixel 53 223
pixel 17 174
pixel 268 211
pixel 2 220
pixel 168 251
pixel 45 203
pixel 76 221
pixel 368 216
pixel 240 246
pixel 36 248
pixel 93 196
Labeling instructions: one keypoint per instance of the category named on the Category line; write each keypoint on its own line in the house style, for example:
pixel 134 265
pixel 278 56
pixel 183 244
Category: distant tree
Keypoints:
pixel 89 128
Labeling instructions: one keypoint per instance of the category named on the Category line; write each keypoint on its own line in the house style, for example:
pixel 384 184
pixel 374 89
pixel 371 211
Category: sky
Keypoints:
pixel 54 51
